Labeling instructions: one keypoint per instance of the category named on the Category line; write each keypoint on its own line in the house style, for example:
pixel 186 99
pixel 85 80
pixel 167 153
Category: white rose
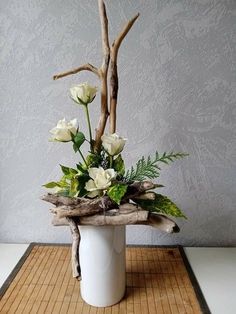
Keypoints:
pixel 83 93
pixel 62 132
pixel 113 143
pixel 101 180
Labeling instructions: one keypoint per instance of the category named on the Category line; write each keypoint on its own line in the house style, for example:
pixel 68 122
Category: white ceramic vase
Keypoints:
pixel 102 262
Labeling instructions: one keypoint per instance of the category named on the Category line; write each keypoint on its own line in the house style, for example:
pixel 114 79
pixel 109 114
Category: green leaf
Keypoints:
pixel 51 185
pixel 73 187
pixel 64 192
pixel 75 148
pixel 82 179
pixel 161 204
pixel 117 191
pixel 93 160
pixel 119 165
pixel 65 170
pixel 68 172
pixel 79 139
pixel 81 168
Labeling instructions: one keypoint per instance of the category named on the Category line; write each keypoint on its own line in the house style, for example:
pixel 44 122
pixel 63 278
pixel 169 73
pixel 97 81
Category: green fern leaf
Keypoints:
pixel 149 168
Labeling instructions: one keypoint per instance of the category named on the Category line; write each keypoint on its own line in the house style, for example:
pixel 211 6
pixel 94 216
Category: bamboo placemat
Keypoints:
pixel 159 280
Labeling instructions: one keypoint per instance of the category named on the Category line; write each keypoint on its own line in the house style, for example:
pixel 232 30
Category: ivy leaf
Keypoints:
pixel 119 165
pixel 93 160
pixel 73 187
pixel 51 185
pixel 61 184
pixel 65 170
pixel 117 191
pixel 69 173
pixel 161 204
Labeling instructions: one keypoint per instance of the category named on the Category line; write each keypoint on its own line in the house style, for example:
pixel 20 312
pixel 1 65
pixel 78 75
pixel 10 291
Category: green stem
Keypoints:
pixel 89 126
pixel 83 158
pixel 111 161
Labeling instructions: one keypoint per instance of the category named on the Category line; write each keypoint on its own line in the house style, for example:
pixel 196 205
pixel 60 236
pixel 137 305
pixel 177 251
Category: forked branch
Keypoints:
pixel 101 73
pixel 114 82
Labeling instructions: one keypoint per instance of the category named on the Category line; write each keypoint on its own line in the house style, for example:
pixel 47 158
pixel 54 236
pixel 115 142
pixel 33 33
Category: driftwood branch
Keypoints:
pixel 146 196
pixel 140 217
pixel 84 207
pixel 59 200
pixel 85 67
pixel 114 81
pixel 133 191
pixel 76 271
pixel 103 75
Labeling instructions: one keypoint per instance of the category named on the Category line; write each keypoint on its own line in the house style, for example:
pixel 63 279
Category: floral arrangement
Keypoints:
pixel 99 190
pixel 102 172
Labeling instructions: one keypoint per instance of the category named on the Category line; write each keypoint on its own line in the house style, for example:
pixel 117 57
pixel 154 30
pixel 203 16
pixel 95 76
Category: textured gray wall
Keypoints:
pixel 177 91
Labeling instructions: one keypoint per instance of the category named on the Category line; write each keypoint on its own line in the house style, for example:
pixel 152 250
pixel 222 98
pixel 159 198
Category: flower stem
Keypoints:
pixel 83 158
pixel 89 126
pixel 111 161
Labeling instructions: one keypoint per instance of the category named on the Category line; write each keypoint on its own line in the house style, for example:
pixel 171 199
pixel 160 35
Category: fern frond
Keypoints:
pixel 149 168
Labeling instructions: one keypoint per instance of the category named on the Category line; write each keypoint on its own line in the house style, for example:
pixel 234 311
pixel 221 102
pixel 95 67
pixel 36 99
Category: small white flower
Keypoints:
pixel 62 132
pixel 83 94
pixel 113 143
pixel 100 180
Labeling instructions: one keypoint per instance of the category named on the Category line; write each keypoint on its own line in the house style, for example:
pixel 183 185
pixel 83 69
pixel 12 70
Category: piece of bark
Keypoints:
pixel 76 271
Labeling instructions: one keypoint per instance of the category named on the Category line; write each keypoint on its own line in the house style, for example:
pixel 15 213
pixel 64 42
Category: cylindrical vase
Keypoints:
pixel 102 262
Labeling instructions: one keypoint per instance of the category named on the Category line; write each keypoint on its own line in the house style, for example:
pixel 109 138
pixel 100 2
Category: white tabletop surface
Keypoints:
pixel 215 270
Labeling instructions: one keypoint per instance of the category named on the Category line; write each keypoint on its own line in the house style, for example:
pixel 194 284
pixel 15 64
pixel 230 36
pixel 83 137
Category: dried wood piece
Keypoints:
pixel 114 81
pixel 120 219
pixel 133 190
pixel 103 75
pixel 158 221
pixel 76 271
pixel 163 223
pixel 59 200
pixel 88 210
pixel 139 187
pixel 59 222
pixel 146 196
pixel 85 207
pixel 85 67
pixel 128 208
